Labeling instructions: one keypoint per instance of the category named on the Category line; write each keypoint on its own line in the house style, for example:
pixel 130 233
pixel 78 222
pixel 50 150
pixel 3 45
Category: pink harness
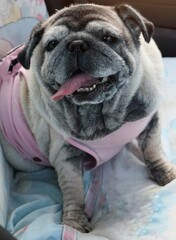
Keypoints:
pixel 16 131
pixel 12 121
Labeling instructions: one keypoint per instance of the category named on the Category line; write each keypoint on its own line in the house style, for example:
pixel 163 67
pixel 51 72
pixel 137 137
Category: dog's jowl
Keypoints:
pixel 89 76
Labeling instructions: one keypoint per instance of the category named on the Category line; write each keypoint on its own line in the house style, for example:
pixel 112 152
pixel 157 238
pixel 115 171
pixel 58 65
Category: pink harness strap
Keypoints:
pixel 107 147
pixel 12 121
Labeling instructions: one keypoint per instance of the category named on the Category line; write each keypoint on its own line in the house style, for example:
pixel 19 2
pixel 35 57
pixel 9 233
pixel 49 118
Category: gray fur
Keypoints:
pixel 134 66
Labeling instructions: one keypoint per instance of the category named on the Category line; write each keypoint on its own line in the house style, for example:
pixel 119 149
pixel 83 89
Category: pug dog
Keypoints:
pixel 88 83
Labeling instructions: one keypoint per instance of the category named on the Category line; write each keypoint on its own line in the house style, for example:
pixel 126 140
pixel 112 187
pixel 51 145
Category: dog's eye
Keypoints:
pixel 109 39
pixel 51 45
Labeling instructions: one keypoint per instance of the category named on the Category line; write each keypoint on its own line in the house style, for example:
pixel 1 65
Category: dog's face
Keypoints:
pixel 86 53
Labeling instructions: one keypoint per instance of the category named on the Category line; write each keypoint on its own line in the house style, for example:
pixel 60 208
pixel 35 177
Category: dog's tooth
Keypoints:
pixel 87 89
pixel 81 89
pixel 105 79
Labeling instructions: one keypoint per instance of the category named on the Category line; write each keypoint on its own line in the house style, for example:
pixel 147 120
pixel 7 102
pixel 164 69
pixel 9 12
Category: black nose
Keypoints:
pixel 77 46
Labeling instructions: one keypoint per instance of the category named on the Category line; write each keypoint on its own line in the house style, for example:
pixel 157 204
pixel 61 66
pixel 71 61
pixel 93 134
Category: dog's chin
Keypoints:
pixel 103 90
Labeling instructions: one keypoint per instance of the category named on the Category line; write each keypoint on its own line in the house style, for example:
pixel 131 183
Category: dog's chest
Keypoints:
pixel 88 122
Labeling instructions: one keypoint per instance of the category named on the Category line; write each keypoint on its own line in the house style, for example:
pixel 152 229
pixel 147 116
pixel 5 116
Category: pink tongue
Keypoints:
pixel 73 84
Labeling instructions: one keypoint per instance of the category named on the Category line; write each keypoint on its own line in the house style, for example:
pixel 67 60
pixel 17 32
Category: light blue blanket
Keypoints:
pixel 121 199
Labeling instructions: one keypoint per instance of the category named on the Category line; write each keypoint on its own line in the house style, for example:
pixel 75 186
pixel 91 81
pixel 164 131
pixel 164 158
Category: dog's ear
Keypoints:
pixel 135 22
pixel 24 56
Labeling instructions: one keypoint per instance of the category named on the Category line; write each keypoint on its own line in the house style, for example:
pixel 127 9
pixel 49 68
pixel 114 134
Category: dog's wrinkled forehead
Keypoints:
pixel 77 17
pixel 120 22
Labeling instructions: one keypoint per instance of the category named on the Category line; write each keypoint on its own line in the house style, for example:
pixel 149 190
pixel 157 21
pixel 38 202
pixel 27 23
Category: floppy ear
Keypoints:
pixel 135 22
pixel 24 56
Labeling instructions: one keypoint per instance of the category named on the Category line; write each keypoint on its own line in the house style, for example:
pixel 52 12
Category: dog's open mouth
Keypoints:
pixel 81 84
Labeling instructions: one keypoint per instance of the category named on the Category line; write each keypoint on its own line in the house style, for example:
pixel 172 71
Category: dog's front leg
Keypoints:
pixel 150 142
pixel 68 166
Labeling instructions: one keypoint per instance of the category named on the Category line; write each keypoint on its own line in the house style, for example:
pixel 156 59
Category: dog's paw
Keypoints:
pixel 77 221
pixel 163 175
